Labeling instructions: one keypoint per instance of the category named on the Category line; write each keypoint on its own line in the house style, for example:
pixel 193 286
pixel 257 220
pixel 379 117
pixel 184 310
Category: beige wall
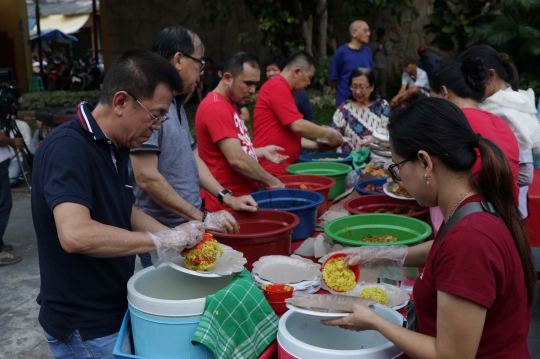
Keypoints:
pixel 13 20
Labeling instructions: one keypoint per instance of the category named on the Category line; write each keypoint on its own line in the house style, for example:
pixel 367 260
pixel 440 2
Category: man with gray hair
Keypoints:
pixel 348 57
pixel 167 169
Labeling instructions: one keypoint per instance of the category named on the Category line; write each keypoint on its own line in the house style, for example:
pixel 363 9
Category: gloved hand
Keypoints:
pixel 169 243
pixel 221 221
pixel 333 137
pixel 382 261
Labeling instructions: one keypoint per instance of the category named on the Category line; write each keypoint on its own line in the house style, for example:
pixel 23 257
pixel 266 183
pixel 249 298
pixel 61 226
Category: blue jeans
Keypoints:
pixel 76 348
pixel 5 199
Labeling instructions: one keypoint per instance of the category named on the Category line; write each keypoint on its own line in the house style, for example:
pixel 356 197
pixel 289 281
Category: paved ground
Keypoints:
pixel 20 333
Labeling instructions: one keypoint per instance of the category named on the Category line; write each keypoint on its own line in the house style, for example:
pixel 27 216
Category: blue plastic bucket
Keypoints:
pixel 378 182
pixel 166 337
pixel 165 308
pixel 316 157
pixel 301 202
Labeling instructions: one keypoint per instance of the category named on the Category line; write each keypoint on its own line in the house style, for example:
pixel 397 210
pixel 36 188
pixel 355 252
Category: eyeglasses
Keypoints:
pixel 157 120
pixel 359 88
pixel 394 169
pixel 201 62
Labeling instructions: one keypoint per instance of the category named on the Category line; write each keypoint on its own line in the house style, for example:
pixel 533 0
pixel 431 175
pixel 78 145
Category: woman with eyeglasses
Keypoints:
pixel 464 84
pixel 474 297
pixel 362 113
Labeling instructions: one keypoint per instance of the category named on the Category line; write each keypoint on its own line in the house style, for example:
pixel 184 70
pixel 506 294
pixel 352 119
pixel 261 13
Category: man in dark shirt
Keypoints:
pixel 82 206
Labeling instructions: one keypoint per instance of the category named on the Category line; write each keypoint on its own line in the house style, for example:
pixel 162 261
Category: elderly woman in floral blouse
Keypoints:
pixel 362 113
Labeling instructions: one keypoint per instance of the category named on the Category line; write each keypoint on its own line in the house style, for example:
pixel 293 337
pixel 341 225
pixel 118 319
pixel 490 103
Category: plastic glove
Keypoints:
pixel 333 137
pixel 221 221
pixel 382 261
pixel 169 243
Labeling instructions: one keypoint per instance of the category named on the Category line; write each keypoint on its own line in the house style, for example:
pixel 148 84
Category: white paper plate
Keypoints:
pixel 231 262
pixel 381 134
pixel 309 290
pixel 397 297
pixel 314 313
pixel 283 269
pixel 393 195
pixel 382 153
pixel 297 286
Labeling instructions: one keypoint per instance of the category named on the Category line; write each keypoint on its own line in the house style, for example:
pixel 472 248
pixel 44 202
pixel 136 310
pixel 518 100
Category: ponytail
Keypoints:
pixel 496 185
pixel 499 62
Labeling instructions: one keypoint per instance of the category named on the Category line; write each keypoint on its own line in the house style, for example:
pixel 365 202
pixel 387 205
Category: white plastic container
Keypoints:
pixel 304 337
pixel 165 309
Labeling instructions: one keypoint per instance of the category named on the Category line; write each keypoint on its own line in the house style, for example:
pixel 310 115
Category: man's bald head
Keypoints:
pixel 359 31
pixel 356 25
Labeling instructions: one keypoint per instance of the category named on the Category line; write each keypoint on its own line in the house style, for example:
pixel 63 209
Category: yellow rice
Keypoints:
pixel 210 250
pixel 337 276
pixel 377 294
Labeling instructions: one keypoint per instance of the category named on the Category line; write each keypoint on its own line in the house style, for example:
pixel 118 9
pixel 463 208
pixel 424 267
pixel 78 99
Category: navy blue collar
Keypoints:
pixel 88 122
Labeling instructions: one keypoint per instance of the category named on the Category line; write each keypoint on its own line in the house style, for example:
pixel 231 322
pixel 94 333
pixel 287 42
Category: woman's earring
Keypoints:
pixel 427 179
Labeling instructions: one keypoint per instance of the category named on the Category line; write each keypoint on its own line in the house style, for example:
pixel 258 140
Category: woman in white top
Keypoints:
pixel 516 107
pixel 362 113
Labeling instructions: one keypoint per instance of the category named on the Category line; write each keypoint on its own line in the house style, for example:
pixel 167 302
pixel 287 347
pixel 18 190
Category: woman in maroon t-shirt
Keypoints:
pixel 477 288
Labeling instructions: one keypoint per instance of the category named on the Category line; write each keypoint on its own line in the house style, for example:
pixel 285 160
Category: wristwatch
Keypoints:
pixel 222 194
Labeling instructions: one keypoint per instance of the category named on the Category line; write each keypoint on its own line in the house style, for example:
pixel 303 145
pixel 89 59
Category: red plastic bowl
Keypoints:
pixel 354 268
pixel 279 307
pixel 277 292
pixel 262 233
pixel 319 184
pixel 369 204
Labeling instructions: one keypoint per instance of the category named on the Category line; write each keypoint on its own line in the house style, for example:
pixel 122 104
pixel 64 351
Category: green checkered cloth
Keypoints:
pixel 237 321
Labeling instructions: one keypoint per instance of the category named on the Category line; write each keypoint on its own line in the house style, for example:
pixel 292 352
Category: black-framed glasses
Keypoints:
pixel 394 169
pixel 201 62
pixel 156 120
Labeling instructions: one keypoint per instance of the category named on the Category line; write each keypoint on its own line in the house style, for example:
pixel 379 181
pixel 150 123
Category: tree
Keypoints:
pixel 515 30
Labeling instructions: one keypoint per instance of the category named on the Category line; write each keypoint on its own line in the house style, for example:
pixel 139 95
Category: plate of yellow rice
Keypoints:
pixel 383 293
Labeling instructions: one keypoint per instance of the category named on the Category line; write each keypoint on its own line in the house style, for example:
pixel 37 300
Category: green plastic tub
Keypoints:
pixel 350 230
pixel 337 171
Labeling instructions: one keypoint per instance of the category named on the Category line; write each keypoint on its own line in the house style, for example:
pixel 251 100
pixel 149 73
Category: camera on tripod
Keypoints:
pixel 9 105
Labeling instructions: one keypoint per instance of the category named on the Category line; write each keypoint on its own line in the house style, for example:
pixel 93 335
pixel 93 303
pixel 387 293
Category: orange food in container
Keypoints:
pixel 277 292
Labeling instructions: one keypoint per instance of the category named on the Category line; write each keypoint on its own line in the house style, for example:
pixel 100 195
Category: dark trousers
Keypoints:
pixel 5 199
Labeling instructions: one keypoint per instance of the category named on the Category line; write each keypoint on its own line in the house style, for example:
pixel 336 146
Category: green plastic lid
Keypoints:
pixel 351 230
pixel 319 168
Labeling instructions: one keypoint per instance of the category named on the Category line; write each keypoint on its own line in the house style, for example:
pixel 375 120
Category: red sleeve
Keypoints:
pixel 220 122
pixel 469 263
pixel 282 102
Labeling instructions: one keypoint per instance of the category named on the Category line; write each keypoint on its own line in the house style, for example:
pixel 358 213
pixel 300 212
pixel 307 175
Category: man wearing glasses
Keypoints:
pixel 167 168
pixel 348 57
pixel 87 229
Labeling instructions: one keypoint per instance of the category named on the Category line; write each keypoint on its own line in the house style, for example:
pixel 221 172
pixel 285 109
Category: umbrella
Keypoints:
pixel 52 34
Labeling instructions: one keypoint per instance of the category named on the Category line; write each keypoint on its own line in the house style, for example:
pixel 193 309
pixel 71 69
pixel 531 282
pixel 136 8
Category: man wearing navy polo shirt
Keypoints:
pixel 348 57
pixel 82 205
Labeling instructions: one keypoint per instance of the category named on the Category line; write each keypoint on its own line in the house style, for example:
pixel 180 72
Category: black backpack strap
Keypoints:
pixel 464 211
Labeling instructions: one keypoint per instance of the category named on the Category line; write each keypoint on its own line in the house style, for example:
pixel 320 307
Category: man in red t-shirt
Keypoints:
pixel 223 138
pixel 276 119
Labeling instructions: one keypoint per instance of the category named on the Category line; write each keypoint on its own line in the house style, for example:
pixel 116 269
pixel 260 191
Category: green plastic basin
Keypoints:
pixel 350 230
pixel 337 171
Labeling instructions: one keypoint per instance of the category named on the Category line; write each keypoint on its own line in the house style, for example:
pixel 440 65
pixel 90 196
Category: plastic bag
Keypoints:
pixel 352 178
pixel 328 303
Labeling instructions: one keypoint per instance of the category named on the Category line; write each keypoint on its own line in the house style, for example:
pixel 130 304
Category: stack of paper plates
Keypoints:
pixel 300 273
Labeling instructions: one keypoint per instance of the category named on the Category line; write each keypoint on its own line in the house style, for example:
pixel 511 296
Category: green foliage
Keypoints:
pixel 515 30
pixel 37 100
pixel 528 80
pixel 320 78
pixel 322 98
pixel 453 22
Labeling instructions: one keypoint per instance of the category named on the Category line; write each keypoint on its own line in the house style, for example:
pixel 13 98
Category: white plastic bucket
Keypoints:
pixel 165 309
pixel 304 337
